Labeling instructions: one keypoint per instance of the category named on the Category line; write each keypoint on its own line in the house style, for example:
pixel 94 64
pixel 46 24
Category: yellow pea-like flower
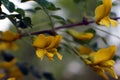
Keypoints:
pixel 100 61
pixel 84 36
pixel 7 40
pixel 102 54
pixel 102 13
pixel 46 46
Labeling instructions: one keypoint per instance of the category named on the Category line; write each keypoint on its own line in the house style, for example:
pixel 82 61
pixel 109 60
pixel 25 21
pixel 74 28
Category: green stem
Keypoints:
pixel 52 24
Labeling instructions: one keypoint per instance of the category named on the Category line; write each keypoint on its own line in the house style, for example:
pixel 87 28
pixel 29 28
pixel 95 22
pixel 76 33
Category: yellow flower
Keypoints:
pixel 46 46
pixel 6 40
pixel 85 50
pixel 81 36
pixel 100 61
pixel 103 54
pixel 12 78
pixel 13 71
pixel 2 75
pixel 102 13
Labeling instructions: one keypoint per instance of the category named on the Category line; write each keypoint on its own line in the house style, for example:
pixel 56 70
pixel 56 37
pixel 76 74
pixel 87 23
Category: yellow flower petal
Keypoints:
pixel 99 13
pixel 8 45
pixel 84 50
pixel 103 54
pixel 59 56
pixel 40 53
pixel 100 71
pixel 102 74
pixel 9 36
pixel 111 71
pixel 40 41
pixel 113 22
pixel 2 75
pixel 107 4
pixel 108 63
pixel 4 46
pixel 50 58
pixel 80 36
pixel 85 36
pixel 7 65
pixel 14 46
pixel 52 42
pixel 54 51
pixel 105 22
pixel 48 54
pixel 15 72
pixel 46 45
pixel 11 78
pixel 55 41
pixel 102 14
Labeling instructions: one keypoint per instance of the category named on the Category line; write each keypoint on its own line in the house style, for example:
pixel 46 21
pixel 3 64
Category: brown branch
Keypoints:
pixel 83 22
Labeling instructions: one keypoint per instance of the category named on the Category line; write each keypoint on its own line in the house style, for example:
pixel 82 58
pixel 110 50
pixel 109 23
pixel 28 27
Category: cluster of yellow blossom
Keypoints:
pixel 7 39
pixel 100 61
pixel 102 13
pixel 46 46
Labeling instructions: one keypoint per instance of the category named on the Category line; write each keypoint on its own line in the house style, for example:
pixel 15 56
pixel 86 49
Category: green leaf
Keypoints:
pixel 62 22
pixel 99 2
pixel 47 5
pixel 12 19
pixel 2 16
pixel 43 3
pixel 18 16
pixel 4 1
pixel 27 21
pixel 51 6
pixel 37 8
pixel 21 24
pixel 94 46
pixel 58 17
pixel 116 57
pixel 25 0
pixel 20 11
pixel 91 31
pixel 9 5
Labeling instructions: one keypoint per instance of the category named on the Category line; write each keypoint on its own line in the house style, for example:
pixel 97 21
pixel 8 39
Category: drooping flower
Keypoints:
pixel 101 61
pixel 46 46
pixel 7 40
pixel 102 13
pixel 84 36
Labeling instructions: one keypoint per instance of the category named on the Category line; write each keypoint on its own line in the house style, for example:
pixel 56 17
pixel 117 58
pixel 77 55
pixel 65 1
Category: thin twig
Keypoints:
pixel 83 22
pixel 107 32
pixel 52 24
